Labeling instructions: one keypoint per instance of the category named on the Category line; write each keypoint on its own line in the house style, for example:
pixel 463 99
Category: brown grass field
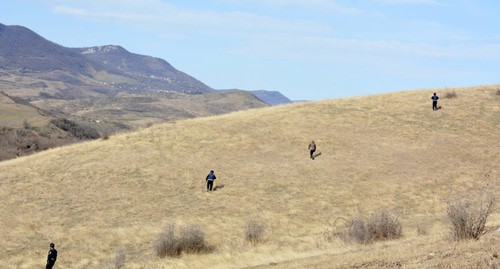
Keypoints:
pixel 99 198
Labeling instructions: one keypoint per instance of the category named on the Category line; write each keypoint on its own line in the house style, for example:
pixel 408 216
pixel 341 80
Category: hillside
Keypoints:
pixel 390 151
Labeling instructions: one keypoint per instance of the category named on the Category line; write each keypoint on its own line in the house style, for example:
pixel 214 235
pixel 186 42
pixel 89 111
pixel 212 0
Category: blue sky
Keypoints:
pixel 306 49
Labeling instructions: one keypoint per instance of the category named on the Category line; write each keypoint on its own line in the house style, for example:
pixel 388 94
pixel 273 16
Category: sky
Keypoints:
pixel 306 49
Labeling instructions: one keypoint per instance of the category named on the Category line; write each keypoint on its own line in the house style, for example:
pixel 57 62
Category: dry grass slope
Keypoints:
pixel 383 151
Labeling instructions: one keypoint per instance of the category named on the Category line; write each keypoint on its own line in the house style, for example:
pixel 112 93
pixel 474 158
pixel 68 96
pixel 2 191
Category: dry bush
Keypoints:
pixel 381 226
pixel 167 243
pixel 120 259
pixel 497 92
pixel 450 95
pixel 357 230
pixel 468 218
pixel 191 239
pixel 254 231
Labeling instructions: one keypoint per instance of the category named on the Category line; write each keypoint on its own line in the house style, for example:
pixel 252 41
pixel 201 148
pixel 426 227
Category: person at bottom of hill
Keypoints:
pixel 312 149
pixel 434 102
pixel 51 257
pixel 210 180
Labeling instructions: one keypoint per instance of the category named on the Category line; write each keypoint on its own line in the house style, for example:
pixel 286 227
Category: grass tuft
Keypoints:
pixel 254 231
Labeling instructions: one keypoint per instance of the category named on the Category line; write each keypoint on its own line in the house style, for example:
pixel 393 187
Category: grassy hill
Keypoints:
pixel 100 198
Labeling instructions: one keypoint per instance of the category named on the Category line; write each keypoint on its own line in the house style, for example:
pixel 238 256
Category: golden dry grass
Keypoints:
pixel 383 151
pixel 13 115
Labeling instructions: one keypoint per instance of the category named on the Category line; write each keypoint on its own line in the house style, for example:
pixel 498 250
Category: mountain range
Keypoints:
pixel 105 88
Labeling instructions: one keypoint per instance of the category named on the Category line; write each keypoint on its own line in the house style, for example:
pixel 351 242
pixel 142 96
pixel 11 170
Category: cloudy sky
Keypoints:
pixel 306 49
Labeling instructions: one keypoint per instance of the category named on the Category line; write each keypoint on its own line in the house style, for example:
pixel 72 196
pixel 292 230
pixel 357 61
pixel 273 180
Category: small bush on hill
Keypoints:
pixel 191 240
pixel 381 226
pixel 167 244
pixel 254 231
pixel 120 258
pixel 497 92
pixel 468 218
pixel 450 95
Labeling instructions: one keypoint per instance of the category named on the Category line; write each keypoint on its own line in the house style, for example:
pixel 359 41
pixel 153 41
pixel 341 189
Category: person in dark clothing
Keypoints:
pixel 210 180
pixel 434 102
pixel 52 257
pixel 312 149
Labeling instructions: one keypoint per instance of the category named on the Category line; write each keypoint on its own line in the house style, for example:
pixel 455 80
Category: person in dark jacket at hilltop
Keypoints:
pixel 51 257
pixel 210 180
pixel 312 149
pixel 435 102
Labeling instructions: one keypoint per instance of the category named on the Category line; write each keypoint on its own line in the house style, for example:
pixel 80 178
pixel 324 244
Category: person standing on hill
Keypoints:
pixel 434 102
pixel 51 257
pixel 312 149
pixel 210 180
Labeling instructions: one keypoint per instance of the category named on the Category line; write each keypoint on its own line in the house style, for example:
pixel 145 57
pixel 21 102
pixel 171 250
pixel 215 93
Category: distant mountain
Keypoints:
pixel 24 51
pixel 155 73
pixel 68 94
pixel 103 70
pixel 271 97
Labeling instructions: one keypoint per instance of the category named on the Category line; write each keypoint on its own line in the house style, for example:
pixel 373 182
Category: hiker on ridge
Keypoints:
pixel 312 149
pixel 51 257
pixel 210 180
pixel 435 102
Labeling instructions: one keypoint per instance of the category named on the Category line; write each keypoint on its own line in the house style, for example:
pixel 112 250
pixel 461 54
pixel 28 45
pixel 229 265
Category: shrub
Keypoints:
pixel 191 239
pixel 120 258
pixel 381 226
pixel 468 218
pixel 357 230
pixel 497 92
pixel 167 244
pixel 254 231
pixel 450 95
pixel 77 130
pixel 384 226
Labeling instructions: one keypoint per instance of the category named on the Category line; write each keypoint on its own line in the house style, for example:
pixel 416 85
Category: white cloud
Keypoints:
pixel 267 36
pixel 156 14
pixel 317 5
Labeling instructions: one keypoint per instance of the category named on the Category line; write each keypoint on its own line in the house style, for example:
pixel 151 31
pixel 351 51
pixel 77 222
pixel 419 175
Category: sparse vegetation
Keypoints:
pixel 78 130
pixel 422 230
pixel 254 231
pixel 190 240
pixel 468 217
pixel 120 259
pixel 450 95
pixel 381 226
pixel 380 151
pixel 497 92
pixel 167 244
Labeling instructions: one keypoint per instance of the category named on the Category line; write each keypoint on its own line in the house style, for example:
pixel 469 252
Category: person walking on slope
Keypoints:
pixel 312 149
pixel 51 257
pixel 210 180
pixel 434 102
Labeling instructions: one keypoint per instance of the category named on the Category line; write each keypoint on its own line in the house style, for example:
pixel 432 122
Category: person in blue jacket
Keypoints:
pixel 210 180
pixel 434 102
pixel 51 257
